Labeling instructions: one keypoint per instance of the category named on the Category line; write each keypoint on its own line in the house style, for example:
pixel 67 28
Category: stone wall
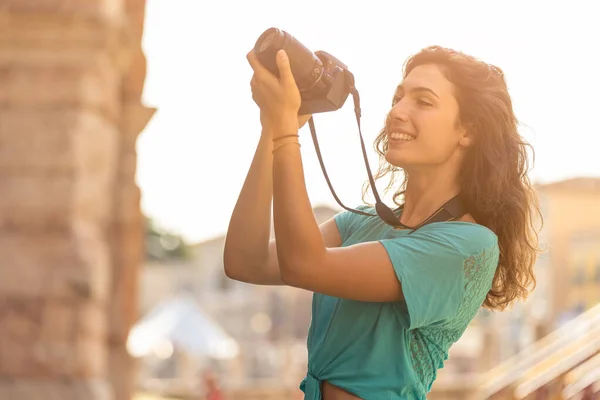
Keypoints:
pixel 71 77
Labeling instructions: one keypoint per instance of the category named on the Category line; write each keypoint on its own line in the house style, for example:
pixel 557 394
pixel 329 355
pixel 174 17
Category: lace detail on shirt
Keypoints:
pixel 429 345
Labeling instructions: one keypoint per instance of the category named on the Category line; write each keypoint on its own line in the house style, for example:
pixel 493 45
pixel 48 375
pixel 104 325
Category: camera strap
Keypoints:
pixel 451 210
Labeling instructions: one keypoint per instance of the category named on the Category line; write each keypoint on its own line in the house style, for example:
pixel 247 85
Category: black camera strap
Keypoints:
pixel 452 210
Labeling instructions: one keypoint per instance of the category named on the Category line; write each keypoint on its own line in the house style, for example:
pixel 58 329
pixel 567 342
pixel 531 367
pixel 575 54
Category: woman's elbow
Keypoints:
pixel 292 275
pixel 231 268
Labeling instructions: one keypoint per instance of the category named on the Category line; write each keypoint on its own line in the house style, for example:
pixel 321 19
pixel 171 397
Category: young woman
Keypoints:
pixel 388 303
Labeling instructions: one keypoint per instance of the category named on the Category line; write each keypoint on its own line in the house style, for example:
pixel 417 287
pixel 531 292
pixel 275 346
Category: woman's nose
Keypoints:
pixel 399 112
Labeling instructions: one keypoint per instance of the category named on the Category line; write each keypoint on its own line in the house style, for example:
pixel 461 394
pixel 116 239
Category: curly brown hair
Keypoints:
pixel 494 181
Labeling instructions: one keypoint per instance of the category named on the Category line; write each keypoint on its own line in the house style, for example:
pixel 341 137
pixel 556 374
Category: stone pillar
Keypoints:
pixel 127 230
pixel 67 197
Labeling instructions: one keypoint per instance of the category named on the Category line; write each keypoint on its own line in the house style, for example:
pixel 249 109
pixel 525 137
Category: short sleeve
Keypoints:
pixel 348 222
pixel 431 272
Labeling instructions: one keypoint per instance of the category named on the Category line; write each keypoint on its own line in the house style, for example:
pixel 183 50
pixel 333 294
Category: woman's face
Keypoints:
pixel 422 127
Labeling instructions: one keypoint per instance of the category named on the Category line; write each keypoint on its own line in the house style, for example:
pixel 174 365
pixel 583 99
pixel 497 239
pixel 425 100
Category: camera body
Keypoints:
pixel 324 81
pixel 331 92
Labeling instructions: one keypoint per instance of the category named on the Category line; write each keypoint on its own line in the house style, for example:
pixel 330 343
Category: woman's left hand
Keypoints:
pixel 279 98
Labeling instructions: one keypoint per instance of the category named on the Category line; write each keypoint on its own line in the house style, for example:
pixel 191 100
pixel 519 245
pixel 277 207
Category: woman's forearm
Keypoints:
pixel 247 241
pixel 299 240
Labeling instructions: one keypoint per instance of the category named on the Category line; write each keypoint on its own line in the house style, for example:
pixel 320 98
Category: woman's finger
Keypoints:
pixel 285 70
pixel 260 72
pixel 252 60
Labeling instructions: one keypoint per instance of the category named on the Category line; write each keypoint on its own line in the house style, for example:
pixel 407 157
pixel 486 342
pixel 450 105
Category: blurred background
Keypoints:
pixel 126 130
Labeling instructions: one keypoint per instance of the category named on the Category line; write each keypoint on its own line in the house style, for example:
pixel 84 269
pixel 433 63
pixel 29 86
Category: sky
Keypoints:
pixel 194 154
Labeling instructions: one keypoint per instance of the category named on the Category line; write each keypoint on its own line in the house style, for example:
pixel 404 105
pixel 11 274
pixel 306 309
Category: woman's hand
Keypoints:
pixel 278 98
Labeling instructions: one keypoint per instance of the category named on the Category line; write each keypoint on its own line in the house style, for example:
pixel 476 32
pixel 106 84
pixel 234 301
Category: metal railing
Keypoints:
pixel 563 361
pixel 581 377
pixel 514 369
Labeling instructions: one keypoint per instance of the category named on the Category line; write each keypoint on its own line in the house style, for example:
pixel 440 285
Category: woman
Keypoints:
pixel 389 303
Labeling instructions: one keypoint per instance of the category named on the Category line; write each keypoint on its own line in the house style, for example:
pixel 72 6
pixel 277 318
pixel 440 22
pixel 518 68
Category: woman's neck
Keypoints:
pixel 426 193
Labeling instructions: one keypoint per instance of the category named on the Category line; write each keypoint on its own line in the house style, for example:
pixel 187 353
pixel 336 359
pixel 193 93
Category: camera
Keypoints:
pixel 324 81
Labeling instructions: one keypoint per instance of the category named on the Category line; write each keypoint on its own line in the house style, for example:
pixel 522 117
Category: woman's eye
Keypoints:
pixel 424 102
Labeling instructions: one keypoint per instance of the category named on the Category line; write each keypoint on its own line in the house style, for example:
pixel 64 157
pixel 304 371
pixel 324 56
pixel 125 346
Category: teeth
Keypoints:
pixel 401 136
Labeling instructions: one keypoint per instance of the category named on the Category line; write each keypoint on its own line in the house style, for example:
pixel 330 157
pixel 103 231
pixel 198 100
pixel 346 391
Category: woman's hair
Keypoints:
pixel 493 177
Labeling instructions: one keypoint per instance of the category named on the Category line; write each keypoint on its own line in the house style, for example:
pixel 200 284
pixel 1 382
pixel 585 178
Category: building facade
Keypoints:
pixel 567 271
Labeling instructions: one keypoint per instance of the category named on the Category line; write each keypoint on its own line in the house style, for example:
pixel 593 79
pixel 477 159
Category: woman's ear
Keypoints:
pixel 466 139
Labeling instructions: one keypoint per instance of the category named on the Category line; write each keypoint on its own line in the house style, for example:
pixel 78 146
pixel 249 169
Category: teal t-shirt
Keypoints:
pixel 392 351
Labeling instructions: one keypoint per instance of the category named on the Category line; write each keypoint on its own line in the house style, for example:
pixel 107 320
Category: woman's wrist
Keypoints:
pixel 285 140
pixel 284 126
pixel 266 133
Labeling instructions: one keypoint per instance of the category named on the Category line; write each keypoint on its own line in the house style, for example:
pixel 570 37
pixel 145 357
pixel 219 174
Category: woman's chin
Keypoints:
pixel 396 159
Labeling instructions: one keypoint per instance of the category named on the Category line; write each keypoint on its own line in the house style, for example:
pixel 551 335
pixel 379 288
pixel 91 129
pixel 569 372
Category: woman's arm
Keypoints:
pixel 246 253
pixel 249 256
pixel 361 272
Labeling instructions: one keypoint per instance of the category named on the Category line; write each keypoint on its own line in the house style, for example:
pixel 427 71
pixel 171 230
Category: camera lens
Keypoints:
pixel 306 67
pixel 268 40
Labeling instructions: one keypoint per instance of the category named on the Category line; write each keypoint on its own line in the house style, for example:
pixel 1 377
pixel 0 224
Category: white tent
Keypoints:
pixel 179 322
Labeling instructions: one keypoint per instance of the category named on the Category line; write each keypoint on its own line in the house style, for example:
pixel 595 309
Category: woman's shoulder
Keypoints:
pixel 363 208
pixel 465 237
pixel 468 238
pixel 349 222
